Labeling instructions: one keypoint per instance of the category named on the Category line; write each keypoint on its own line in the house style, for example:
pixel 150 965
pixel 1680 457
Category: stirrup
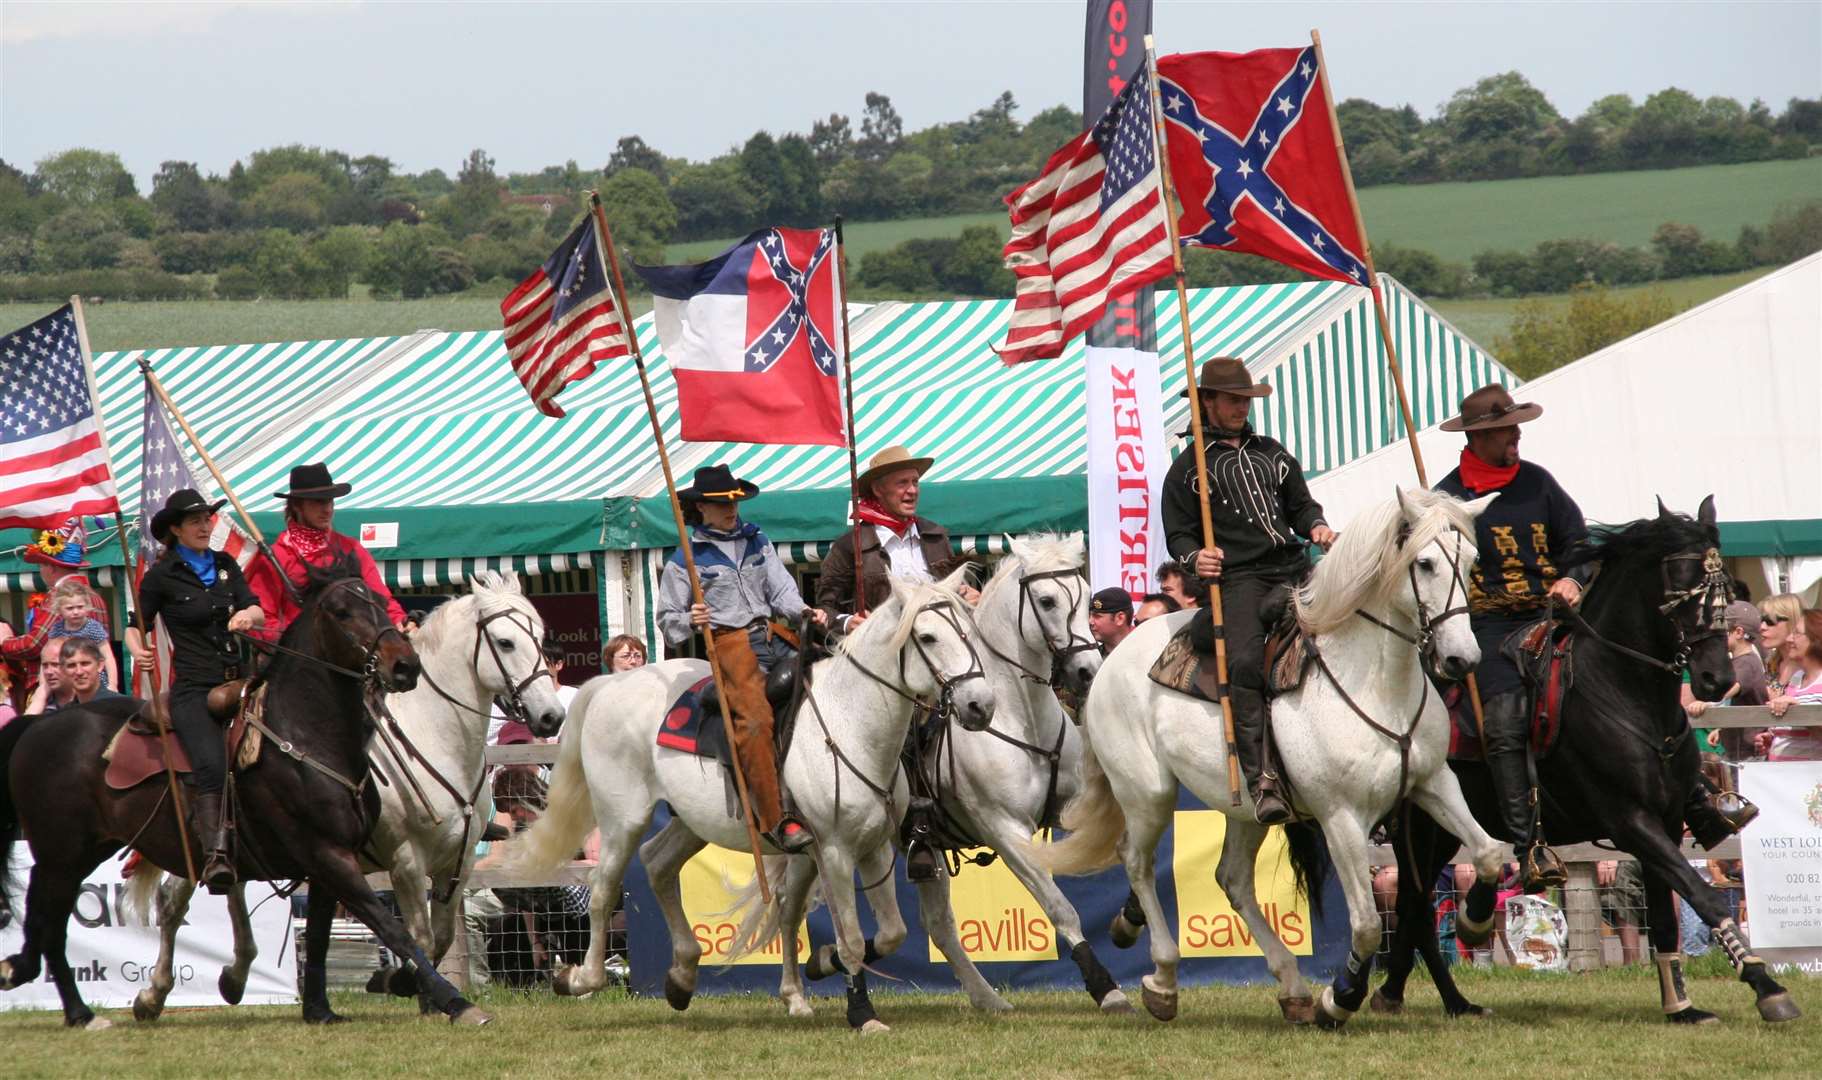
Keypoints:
pixel 921 862
pixel 1269 807
pixel 790 835
pixel 1541 869
pixel 217 873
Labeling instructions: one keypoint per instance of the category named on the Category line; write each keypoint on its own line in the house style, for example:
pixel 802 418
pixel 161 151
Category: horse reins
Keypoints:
pixel 1059 654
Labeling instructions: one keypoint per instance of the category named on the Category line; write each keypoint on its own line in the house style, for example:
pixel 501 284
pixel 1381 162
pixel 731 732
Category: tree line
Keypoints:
pixel 298 221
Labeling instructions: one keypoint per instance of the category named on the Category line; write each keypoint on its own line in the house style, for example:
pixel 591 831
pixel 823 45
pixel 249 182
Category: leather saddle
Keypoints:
pixel 1544 654
pixel 136 754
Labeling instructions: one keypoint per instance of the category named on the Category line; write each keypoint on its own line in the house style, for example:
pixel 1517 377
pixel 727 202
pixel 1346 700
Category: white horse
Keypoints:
pixel 1001 784
pixel 487 644
pixel 841 772
pixel 1392 590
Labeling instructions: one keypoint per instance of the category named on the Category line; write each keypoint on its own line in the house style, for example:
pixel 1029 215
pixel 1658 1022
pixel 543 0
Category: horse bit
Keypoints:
pixel 1059 654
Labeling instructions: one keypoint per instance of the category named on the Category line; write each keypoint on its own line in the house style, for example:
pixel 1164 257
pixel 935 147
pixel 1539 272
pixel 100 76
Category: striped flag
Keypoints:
pixel 561 320
pixel 53 459
pixel 1089 228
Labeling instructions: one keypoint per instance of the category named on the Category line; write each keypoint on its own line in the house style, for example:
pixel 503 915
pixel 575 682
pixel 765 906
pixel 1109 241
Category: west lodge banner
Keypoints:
pixel 1004 929
pixel 1781 863
pixel 1126 439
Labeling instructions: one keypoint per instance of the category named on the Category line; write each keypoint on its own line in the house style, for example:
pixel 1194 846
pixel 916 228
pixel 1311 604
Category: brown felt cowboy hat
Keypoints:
pixel 1228 374
pixel 313 482
pixel 891 460
pixel 1491 407
pixel 716 484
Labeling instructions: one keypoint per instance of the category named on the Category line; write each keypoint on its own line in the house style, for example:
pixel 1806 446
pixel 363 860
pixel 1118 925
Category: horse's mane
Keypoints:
pixel 897 628
pixel 1652 538
pixel 1366 565
pixel 1036 554
pixel 317 579
pixel 489 589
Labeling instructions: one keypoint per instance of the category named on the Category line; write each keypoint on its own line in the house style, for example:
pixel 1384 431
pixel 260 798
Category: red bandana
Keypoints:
pixel 873 512
pixel 308 542
pixel 1479 477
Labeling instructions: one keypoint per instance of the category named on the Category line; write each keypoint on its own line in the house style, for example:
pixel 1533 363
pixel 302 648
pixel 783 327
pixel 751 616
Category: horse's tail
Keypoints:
pixel 569 811
pixel 9 814
pixel 142 890
pixel 757 925
pixel 1309 860
pixel 1095 823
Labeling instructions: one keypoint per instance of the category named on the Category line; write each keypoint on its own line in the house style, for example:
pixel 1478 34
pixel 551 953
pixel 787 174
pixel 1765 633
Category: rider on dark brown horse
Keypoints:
pixel 1261 505
pixel 203 600
pixel 744 587
pixel 310 540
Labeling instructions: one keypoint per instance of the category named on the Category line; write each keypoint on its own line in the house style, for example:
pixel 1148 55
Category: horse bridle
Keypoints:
pixel 1059 654
pixel 1715 590
pixel 370 663
pixel 514 705
pixel 1425 636
pixel 945 685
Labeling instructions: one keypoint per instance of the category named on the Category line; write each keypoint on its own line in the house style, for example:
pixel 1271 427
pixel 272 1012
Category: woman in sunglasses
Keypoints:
pixel 1780 617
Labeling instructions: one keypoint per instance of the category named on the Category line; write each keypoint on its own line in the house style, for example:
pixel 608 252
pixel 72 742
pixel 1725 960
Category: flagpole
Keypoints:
pixel 1195 421
pixel 128 568
pixel 604 241
pixel 847 374
pixel 1385 330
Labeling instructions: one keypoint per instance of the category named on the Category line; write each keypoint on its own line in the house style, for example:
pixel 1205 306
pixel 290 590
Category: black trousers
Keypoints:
pixel 201 736
pixel 1244 626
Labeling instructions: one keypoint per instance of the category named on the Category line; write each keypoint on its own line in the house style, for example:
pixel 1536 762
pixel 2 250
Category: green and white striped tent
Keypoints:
pixel 443 447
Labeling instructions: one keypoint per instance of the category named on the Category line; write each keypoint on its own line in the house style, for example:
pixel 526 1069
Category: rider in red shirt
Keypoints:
pixel 309 540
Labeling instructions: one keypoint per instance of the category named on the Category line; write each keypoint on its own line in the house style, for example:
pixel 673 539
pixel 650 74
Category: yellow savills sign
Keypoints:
pixel 710 881
pixel 996 918
pixel 1207 924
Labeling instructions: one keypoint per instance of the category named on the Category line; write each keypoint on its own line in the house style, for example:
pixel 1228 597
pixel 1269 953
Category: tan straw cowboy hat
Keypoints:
pixel 1491 407
pixel 1228 374
pixel 891 460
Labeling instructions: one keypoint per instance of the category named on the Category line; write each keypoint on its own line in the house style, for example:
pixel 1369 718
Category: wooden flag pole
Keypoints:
pixel 1385 329
pixel 847 377
pixel 1195 420
pixel 604 240
pixel 130 570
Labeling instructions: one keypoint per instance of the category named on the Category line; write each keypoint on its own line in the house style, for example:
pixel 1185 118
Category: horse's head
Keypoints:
pixel 1052 602
pixel 1697 589
pixel 1438 552
pixel 508 653
pixel 936 658
pixel 353 629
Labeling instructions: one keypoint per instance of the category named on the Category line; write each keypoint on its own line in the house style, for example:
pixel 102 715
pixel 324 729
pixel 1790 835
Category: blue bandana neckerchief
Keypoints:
pixel 201 562
pixel 745 530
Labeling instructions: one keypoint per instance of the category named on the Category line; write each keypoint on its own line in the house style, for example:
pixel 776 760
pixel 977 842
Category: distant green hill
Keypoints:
pixel 1458 221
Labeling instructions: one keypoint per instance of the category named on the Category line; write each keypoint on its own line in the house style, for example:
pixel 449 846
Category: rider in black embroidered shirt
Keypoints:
pixel 1262 505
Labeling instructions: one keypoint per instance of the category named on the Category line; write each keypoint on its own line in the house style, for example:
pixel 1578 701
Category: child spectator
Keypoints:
pixel 73 606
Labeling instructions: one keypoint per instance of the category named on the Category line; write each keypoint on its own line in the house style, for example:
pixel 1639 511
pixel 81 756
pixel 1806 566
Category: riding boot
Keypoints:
pixel 211 832
pixel 1713 816
pixel 1539 866
pixel 921 856
pixel 1249 746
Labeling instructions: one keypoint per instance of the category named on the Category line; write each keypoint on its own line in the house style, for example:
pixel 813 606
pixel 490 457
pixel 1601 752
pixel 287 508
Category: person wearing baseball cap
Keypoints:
pixel 1110 617
pixel 1750 680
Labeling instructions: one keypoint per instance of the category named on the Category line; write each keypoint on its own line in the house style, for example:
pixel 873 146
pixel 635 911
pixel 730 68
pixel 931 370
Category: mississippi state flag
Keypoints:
pixel 753 337
pixel 1254 161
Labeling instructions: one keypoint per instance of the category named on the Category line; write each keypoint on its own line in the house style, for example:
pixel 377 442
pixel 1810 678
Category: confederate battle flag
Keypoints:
pixel 753 337
pixel 1253 158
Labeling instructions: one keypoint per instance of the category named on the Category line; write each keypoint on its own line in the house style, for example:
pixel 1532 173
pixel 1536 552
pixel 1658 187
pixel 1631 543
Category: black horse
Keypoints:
pixel 1625 764
pixel 303 808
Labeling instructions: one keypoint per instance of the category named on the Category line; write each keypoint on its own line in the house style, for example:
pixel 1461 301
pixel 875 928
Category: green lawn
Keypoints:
pixel 1599 1025
pixel 1486 320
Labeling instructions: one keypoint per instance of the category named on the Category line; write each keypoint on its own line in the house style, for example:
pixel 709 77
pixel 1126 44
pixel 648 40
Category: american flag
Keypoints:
pixel 562 319
pixel 165 471
pixel 53 459
pixel 1089 228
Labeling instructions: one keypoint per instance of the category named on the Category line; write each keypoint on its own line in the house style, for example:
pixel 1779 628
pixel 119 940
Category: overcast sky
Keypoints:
pixel 536 84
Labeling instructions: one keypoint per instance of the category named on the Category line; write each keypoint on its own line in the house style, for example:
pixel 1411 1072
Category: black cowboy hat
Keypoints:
pixel 1491 407
pixel 716 484
pixel 182 503
pixel 313 482
pixel 1228 374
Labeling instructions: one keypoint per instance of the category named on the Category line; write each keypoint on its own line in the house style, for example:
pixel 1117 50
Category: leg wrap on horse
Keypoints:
pixel 1094 976
pixel 743 688
pixel 1670 982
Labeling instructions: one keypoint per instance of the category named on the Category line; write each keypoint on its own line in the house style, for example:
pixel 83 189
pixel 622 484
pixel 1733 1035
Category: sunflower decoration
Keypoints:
pixel 51 544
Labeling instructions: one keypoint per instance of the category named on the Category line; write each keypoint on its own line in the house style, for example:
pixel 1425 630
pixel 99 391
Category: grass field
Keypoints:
pixel 1487 319
pixel 1602 1025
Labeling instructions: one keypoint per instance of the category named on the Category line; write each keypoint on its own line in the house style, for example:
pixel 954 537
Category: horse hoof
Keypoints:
pixel 992 1003
pixel 559 983
pixel 1469 1011
pixel 324 1016
pixel 1124 934
pixel 473 1016
pixel 146 1006
pixel 874 1027
pixel 231 988
pixel 1777 1008
pixel 676 993
pixel 6 975
pixel 1298 1010
pixel 98 1023
pixel 1693 1016
pixel 799 1008
pixel 1330 1016
pixel 377 982
pixel 1115 1004
pixel 1387 1005
pixel 1160 1004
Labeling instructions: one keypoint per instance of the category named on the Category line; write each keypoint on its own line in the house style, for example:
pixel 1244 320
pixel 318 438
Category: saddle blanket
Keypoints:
pixel 687 727
pixel 136 754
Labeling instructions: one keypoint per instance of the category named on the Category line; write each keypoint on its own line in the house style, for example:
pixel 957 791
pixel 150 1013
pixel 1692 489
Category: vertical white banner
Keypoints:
pixel 1781 854
pixel 1126 467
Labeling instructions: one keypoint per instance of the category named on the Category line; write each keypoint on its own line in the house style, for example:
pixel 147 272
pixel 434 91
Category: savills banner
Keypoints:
pixel 1126 462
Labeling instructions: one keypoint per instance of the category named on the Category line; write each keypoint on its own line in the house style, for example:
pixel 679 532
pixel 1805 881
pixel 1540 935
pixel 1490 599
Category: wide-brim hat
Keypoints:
pixel 182 503
pixel 313 482
pixel 1491 407
pixel 66 546
pixel 891 460
pixel 1228 374
pixel 716 484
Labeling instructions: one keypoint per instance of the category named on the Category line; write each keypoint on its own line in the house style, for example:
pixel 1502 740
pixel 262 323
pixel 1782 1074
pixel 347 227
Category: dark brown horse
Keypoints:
pixel 303 808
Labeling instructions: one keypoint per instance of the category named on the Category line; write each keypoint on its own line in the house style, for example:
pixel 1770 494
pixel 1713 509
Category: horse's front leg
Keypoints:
pixel 1439 796
pixel 850 941
pixel 1012 842
pixel 1239 856
pixel 938 915
pixel 173 902
pixel 1666 934
pixel 1347 843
